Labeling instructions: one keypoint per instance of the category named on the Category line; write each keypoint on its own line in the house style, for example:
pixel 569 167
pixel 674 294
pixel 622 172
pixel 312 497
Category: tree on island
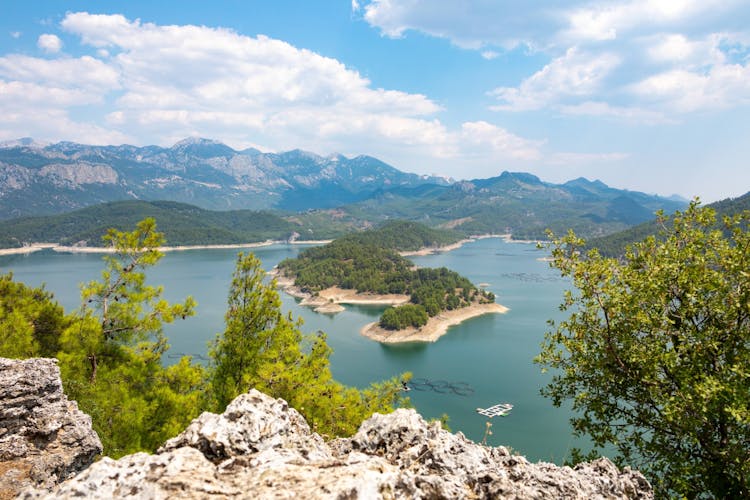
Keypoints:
pixel 655 355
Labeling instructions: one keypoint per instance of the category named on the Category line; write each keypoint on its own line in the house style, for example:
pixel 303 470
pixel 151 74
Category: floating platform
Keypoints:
pixel 499 410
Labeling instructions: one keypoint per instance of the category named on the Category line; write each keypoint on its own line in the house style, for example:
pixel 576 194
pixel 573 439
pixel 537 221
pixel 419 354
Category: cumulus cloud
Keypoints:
pixel 649 44
pixel 49 43
pixel 467 24
pixel 488 138
pixel 684 91
pixel 574 74
pixel 155 84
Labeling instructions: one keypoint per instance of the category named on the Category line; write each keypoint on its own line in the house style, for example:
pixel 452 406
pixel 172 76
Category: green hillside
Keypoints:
pixel 516 203
pixel 182 224
pixel 614 244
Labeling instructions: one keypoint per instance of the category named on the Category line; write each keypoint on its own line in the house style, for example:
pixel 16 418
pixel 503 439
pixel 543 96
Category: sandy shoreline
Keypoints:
pixel 35 247
pixel 330 300
pixel 435 328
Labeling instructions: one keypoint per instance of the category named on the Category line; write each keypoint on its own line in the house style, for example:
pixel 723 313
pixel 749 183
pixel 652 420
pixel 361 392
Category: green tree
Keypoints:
pixel 264 349
pixel 30 320
pixel 655 355
pixel 110 357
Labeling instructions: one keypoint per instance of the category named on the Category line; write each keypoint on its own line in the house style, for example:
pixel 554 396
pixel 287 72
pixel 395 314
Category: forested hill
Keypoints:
pixel 615 244
pixel 403 236
pixel 368 262
pixel 181 224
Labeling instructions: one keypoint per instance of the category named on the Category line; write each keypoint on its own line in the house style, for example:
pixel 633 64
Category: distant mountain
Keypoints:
pixel 38 179
pixel 614 244
pixel 517 203
pixel 329 194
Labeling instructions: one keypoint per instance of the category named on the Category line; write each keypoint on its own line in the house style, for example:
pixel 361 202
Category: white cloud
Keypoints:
pixel 613 19
pixel 75 73
pixel 684 91
pixel 599 50
pixel 157 83
pixel 15 34
pixel 49 43
pixel 490 54
pixel 574 74
pixel 485 138
pixel 471 25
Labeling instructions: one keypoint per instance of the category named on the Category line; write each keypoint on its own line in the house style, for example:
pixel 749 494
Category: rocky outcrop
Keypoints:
pixel 261 448
pixel 44 438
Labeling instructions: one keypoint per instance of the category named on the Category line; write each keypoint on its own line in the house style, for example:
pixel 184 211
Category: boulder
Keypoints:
pixel 261 448
pixel 44 437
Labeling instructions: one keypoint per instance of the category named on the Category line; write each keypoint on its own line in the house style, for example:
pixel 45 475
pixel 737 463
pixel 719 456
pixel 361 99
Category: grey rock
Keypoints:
pixel 44 438
pixel 261 448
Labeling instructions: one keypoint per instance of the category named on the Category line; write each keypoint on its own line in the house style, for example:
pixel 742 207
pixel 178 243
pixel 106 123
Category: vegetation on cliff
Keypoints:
pixel 655 353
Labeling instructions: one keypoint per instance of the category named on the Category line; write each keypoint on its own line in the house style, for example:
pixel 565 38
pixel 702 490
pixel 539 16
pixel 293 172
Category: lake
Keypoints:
pixel 487 360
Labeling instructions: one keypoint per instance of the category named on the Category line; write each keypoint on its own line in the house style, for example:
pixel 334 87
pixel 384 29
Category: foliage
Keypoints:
pixel 405 316
pixel 655 353
pixel 30 320
pixel 401 235
pixel 264 349
pixel 110 357
pixel 184 224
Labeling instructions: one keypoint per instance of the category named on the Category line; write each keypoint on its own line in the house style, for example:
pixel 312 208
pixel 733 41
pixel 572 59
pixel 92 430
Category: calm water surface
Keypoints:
pixel 492 354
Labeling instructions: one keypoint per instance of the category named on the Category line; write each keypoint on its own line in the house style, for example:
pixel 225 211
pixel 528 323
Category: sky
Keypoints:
pixel 647 95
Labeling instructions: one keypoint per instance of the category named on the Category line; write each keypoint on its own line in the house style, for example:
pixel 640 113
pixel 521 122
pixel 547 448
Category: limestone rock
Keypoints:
pixel 261 448
pixel 44 438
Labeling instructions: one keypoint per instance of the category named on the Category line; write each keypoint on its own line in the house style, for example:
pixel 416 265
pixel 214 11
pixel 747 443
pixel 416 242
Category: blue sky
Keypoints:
pixel 650 95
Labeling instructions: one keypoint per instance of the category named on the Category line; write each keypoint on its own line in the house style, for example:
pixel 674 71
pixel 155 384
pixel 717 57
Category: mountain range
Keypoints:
pixel 37 179
pixel 47 179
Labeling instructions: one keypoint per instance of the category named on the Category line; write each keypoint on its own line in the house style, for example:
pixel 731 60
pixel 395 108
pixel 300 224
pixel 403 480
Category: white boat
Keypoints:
pixel 498 410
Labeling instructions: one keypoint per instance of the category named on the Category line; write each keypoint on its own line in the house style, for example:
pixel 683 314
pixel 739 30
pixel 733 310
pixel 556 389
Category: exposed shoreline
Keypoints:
pixel 35 247
pixel 435 328
pixel 55 247
pixel 330 300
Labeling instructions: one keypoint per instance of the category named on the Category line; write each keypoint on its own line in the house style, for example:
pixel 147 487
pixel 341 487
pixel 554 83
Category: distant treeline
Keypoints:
pixel 369 262
pixel 182 224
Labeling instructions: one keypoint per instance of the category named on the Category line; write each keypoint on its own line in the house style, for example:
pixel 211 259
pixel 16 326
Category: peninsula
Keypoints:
pixel 367 268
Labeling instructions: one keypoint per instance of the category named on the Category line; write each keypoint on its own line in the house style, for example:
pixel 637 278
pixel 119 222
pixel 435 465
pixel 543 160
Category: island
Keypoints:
pixel 368 268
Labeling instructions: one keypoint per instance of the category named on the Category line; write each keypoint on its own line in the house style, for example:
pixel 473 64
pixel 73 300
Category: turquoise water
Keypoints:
pixel 492 354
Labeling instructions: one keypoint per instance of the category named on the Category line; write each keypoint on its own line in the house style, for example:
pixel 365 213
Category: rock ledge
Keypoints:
pixel 261 448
